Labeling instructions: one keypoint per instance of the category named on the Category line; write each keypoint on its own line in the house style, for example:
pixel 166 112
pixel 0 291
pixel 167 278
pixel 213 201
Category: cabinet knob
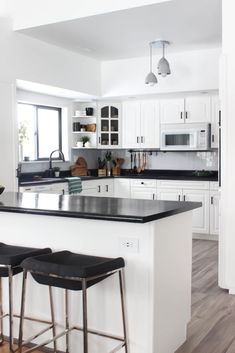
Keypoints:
pixel 142 183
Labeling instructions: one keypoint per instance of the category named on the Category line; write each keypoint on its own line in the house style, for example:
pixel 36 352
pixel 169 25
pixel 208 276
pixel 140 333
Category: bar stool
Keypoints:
pixel 10 259
pixel 75 272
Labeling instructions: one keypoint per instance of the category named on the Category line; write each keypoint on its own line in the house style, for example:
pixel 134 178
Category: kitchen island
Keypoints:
pixel 155 239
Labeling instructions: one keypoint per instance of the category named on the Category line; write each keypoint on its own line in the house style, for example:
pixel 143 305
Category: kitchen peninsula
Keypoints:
pixel 155 239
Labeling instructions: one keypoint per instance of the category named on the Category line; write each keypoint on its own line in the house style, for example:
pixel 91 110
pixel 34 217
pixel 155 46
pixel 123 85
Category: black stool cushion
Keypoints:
pixel 68 264
pixel 12 255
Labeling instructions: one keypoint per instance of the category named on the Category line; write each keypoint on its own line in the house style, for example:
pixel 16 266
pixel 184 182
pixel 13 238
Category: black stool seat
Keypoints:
pixel 11 255
pixel 67 264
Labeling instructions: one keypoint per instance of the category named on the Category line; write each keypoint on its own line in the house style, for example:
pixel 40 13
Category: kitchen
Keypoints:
pixel 185 176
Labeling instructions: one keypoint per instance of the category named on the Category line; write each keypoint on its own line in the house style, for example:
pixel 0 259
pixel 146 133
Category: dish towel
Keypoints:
pixel 75 185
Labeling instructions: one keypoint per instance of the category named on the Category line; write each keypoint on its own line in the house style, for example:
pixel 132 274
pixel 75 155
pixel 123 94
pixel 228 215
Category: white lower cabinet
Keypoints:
pixel 98 188
pixel 147 194
pixel 53 188
pixel 214 212
pixel 201 216
pixel 169 194
pixel 122 188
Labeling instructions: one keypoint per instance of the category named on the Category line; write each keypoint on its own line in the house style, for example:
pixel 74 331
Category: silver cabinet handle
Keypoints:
pixel 213 138
pixel 181 115
pixel 153 196
pixel 107 188
pixel 179 197
pixel 99 188
pixel 99 139
pixel 142 139
pixel 138 139
pixel 184 198
pixel 186 115
pixel 212 200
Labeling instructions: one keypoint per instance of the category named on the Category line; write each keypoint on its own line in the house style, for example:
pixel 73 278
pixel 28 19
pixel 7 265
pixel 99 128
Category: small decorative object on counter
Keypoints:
pixel 83 128
pixel 116 170
pixel 108 158
pixel 89 111
pixel 56 171
pixel 85 140
pixel 79 168
pixel 101 168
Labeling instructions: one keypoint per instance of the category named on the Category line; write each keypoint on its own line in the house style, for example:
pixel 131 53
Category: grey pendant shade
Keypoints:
pixel 151 78
pixel 163 65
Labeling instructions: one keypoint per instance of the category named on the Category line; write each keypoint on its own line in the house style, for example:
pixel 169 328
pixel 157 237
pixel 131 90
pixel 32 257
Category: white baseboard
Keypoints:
pixel 202 236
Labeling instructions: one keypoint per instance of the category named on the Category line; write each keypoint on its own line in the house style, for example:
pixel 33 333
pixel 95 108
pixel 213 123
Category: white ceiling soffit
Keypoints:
pixel 188 24
pixel 53 91
pixel 31 13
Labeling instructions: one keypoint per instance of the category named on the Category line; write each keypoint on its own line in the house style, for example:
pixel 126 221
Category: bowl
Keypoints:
pixel 1 189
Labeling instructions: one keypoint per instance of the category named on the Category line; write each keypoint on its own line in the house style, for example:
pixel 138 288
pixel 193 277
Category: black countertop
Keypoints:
pixel 99 208
pixel 202 175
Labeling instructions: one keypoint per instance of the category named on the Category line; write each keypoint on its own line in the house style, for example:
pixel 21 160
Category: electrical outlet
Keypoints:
pixel 130 245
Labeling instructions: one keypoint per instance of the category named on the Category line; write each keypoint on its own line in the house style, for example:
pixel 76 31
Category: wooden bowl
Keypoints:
pixel 1 189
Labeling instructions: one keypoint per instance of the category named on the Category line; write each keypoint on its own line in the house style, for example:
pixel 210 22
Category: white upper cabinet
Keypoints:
pixel 109 125
pixel 172 111
pixel 131 125
pixel 140 124
pixel 198 109
pixel 215 117
pixel 149 124
pixel 186 110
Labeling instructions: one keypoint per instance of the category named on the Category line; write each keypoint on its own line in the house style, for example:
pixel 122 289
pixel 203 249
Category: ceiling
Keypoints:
pixel 188 24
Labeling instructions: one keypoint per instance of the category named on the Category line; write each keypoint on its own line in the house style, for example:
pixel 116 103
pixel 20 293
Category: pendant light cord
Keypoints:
pixel 150 45
pixel 163 49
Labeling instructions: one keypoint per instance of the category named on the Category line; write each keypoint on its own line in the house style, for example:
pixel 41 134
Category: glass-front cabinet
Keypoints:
pixel 109 125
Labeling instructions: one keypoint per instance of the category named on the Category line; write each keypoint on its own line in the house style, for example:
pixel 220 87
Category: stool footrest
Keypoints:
pixel 102 334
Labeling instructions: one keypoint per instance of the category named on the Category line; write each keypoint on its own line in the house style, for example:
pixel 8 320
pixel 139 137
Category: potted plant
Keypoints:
pixel 86 141
pixel 56 171
pixel 23 137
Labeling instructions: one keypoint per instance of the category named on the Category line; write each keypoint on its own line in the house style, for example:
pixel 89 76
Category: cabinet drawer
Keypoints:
pixel 181 184
pixel 145 183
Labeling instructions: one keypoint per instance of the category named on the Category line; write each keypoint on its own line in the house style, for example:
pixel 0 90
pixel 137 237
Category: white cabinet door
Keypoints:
pixel 89 192
pixel 107 186
pixel 198 109
pixel 214 212
pixel 200 215
pixel 145 194
pixel 131 125
pixel 150 124
pixel 215 116
pixel 172 111
pixel 122 188
pixel 169 194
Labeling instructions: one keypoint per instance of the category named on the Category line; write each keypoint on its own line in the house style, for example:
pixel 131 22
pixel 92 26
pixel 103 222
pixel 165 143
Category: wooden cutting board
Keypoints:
pixel 79 168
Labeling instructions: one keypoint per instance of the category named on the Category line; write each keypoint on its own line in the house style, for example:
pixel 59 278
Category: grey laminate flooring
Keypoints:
pixel 212 328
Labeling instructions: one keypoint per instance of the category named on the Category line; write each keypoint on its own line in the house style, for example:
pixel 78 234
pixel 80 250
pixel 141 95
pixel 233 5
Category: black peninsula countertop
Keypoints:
pixel 99 208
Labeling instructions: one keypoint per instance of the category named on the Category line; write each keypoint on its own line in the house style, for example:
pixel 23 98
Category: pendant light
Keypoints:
pixel 151 79
pixel 163 64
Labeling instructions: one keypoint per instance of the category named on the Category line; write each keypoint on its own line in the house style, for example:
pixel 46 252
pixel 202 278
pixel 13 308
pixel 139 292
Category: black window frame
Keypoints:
pixel 59 110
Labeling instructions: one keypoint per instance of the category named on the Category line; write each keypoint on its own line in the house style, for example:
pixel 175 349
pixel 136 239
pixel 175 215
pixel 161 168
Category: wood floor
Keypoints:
pixel 212 328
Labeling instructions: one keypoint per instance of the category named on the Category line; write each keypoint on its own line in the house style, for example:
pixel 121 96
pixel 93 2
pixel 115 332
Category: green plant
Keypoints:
pixel 85 139
pixel 56 169
pixel 23 132
pixel 108 156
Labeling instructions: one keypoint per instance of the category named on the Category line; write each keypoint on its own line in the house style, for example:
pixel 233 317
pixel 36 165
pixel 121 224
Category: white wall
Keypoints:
pixel 191 71
pixel 32 60
pixel 227 92
pixel 30 13
pixel 29 59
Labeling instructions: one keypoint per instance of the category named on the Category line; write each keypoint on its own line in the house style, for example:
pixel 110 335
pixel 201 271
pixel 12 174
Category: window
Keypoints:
pixel 40 131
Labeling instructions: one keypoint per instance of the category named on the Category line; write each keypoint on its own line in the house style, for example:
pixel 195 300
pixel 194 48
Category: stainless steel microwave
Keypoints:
pixel 185 137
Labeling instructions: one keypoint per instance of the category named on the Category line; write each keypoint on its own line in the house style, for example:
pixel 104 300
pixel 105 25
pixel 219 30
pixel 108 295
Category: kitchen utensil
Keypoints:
pixel 135 167
pixel 131 161
pixel 139 167
pixel 79 168
pixel 142 168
